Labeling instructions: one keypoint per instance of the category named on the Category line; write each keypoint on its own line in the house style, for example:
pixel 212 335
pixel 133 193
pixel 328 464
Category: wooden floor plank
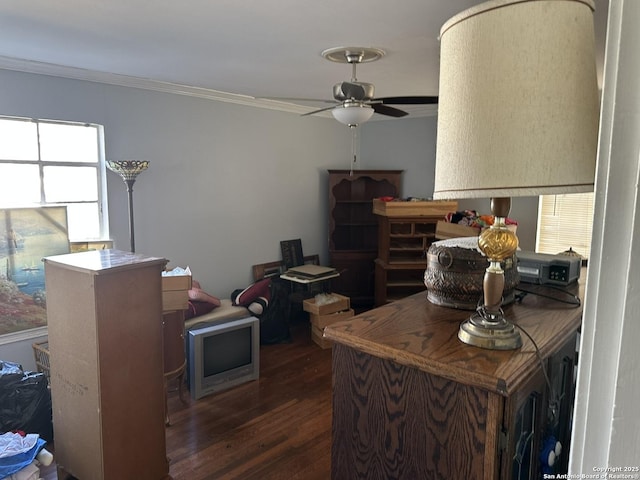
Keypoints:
pixel 276 428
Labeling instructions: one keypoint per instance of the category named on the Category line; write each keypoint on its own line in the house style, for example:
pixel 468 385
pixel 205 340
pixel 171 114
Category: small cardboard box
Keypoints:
pixel 341 303
pixel 322 321
pixel 446 230
pixel 175 292
pixel 318 338
pixel 318 322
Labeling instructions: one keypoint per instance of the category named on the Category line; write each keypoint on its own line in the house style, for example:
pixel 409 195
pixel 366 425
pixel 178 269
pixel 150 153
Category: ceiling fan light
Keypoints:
pixel 352 114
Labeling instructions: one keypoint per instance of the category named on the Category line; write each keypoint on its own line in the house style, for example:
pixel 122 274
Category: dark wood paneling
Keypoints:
pixel 412 401
pixel 392 421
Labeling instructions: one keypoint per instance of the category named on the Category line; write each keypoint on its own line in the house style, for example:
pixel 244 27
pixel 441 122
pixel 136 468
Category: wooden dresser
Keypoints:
pixel 104 310
pixel 411 401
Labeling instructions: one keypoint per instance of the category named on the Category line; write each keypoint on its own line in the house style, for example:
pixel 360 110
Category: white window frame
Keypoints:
pixel 103 220
pixel 103 216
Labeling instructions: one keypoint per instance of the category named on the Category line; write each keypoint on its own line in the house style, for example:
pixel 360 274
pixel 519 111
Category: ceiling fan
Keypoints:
pixel 354 101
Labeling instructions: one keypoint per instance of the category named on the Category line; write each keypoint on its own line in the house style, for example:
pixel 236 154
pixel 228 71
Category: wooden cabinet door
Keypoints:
pixel 393 421
pixel 537 417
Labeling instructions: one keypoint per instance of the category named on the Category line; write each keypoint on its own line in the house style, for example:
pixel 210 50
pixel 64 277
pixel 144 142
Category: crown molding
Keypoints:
pixel 42 68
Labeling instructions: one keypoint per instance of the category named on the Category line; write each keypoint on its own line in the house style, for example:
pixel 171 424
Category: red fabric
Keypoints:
pixel 253 292
pixel 197 308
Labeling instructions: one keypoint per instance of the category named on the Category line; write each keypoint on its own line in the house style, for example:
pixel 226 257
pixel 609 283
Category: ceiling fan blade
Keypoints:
pixel 387 110
pixel 319 110
pixel 408 100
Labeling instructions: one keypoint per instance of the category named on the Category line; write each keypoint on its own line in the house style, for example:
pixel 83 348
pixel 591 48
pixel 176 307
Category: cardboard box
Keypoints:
pixel 436 208
pixel 446 230
pixel 341 303
pixel 322 321
pixel 319 322
pixel 176 282
pixel 318 338
pixel 175 292
pixel 85 246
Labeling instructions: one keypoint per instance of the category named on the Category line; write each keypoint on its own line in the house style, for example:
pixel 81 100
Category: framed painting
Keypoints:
pixel 27 235
pixel 291 253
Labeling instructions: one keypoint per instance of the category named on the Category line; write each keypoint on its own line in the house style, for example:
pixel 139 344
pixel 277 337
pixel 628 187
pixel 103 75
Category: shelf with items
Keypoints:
pixel 403 242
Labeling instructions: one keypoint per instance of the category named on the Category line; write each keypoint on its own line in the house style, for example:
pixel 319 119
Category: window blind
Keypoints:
pixel 565 221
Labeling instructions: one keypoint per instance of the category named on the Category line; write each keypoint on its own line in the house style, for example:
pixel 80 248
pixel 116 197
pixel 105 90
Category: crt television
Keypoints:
pixel 223 355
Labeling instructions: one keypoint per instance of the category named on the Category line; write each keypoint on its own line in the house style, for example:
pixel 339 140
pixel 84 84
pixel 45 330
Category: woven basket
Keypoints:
pixel 454 276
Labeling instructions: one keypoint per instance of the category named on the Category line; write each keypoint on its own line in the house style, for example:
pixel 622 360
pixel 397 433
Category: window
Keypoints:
pixel 565 221
pixel 53 191
pixel 49 163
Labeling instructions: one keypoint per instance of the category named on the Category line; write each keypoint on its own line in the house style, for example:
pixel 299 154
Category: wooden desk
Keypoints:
pixel 411 401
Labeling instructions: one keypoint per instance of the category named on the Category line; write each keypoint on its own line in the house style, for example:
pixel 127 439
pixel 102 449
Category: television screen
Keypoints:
pixel 226 351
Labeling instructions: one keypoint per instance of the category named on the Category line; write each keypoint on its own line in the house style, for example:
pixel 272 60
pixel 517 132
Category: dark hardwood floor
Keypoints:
pixel 276 428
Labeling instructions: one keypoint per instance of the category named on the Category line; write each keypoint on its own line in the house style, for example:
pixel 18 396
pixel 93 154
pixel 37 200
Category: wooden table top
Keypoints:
pixel 416 333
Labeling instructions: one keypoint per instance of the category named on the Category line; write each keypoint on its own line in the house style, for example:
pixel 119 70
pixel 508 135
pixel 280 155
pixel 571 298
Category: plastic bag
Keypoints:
pixel 25 401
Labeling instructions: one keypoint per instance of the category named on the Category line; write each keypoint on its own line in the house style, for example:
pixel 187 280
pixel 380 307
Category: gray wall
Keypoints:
pixel 226 182
pixel 411 145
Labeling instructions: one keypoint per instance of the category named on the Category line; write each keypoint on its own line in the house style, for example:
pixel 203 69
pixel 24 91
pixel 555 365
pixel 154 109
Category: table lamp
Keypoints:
pixel 517 116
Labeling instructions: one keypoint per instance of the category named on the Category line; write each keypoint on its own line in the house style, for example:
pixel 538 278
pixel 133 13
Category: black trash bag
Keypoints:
pixel 274 322
pixel 268 300
pixel 25 401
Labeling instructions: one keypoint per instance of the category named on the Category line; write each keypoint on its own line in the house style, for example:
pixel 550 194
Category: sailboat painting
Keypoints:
pixel 27 235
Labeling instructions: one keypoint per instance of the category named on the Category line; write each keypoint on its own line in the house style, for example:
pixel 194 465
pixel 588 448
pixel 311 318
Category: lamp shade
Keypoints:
pixel 518 101
pixel 352 113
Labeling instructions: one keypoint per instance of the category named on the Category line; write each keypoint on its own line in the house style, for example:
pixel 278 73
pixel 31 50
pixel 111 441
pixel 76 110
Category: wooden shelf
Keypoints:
pixel 403 242
pixel 353 242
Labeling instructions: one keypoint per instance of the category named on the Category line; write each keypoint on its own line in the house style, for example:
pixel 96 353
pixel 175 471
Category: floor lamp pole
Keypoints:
pixel 129 170
pixel 131 230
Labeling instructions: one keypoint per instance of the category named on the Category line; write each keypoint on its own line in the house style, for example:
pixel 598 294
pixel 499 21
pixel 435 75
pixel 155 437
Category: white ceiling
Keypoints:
pixel 233 49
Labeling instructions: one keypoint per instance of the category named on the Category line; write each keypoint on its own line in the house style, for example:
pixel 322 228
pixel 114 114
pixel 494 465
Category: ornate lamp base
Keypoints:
pixel 494 333
pixel 487 328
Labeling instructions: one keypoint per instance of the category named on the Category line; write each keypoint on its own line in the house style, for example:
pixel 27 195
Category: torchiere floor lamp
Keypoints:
pixel 129 170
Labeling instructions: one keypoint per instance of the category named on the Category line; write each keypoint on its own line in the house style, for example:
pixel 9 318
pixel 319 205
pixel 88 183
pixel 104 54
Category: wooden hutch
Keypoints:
pixel 353 238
